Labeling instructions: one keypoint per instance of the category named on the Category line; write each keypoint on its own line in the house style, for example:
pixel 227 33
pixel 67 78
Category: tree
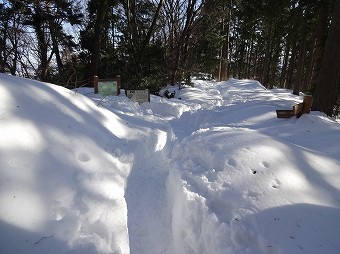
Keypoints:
pixel 142 18
pixel 12 33
pixel 224 48
pixel 33 36
pixel 102 7
pixel 328 87
pixel 319 39
pixel 301 51
pixel 183 20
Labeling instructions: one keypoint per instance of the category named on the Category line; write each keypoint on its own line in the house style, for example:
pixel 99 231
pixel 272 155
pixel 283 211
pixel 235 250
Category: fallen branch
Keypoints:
pixel 45 237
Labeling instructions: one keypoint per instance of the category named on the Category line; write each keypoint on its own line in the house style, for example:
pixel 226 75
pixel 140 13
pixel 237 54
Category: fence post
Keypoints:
pixel 95 84
pixel 118 84
pixel 307 104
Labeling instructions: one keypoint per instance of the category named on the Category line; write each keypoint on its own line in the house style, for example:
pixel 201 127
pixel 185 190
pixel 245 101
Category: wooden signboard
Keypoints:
pixel 284 113
pixel 107 87
pixel 139 96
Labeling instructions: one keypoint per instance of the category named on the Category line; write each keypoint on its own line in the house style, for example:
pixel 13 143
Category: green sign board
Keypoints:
pixel 107 88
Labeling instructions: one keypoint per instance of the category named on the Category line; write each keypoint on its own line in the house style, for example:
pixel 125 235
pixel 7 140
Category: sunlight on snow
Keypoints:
pixel 5 97
pixel 82 103
pixel 22 206
pixel 19 133
pixel 161 140
pixel 120 128
pixel 277 153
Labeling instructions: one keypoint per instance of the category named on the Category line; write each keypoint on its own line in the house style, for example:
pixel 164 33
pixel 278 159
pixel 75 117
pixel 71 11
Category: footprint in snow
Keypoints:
pixel 276 184
pixel 232 162
pixel 83 157
pixel 265 164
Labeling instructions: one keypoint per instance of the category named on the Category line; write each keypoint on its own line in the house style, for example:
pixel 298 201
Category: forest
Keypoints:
pixel 293 44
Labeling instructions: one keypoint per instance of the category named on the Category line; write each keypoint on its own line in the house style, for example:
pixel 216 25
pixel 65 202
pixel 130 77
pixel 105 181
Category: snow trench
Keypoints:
pixel 148 211
pixel 163 214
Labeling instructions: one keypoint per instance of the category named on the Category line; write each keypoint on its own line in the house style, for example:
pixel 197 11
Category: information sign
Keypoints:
pixel 107 88
pixel 139 96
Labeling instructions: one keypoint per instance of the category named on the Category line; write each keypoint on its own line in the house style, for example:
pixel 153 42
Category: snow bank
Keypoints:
pixel 212 172
pixel 247 182
pixel 61 178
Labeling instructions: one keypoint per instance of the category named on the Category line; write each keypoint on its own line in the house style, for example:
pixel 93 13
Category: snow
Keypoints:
pixel 212 172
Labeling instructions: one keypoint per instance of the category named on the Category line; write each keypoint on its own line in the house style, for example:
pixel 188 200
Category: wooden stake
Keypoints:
pixel 307 104
pixel 118 84
pixel 95 84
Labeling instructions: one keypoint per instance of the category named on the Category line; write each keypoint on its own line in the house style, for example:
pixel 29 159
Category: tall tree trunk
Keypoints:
pixel 327 90
pixel 139 40
pixel 181 49
pixel 273 68
pixel 55 45
pixel 3 46
pixel 151 30
pixel 268 55
pixel 224 51
pixel 250 55
pixel 98 34
pixel 42 45
pixel 319 44
pixel 291 67
pixel 38 25
pixel 284 66
pixel 254 69
pixel 300 63
pixel 309 68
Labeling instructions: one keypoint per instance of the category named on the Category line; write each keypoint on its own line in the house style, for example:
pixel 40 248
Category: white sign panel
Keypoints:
pixel 139 96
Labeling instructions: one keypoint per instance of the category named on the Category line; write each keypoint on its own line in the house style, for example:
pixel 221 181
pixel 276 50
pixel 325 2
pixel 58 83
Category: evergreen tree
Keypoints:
pixel 12 33
pixel 46 19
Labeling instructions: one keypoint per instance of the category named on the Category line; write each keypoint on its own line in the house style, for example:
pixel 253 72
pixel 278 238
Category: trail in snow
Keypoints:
pixel 150 194
pixel 215 172
pixel 213 167
pixel 149 215
pixel 148 210
pixel 159 182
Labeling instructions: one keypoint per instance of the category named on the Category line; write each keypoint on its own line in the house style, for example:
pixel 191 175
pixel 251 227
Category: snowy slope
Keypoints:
pixel 214 172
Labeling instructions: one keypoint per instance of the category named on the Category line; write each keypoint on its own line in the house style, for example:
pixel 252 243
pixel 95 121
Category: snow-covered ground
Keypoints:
pixel 213 172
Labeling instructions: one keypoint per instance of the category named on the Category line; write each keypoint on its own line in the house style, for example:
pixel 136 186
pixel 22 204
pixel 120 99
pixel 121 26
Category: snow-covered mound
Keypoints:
pixel 212 172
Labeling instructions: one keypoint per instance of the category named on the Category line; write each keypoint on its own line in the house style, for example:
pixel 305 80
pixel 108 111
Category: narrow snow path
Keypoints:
pixel 149 214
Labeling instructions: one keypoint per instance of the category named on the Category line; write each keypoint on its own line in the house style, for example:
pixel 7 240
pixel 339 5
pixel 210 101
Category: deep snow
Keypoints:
pixel 214 172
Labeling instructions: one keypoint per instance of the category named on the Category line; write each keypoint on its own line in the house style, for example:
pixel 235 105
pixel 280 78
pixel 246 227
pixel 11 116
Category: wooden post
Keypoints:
pixel 95 84
pixel 118 84
pixel 297 109
pixel 307 104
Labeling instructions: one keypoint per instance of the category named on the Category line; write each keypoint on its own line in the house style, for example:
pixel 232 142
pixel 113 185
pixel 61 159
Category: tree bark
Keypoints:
pixel 98 34
pixel 300 63
pixel 39 28
pixel 327 90
pixel 284 66
pixel 268 57
pixel 181 49
pixel 151 29
pixel 319 44
pixel 224 52
pixel 291 67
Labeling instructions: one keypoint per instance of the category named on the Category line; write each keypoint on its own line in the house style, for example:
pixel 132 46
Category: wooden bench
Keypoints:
pixel 298 109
